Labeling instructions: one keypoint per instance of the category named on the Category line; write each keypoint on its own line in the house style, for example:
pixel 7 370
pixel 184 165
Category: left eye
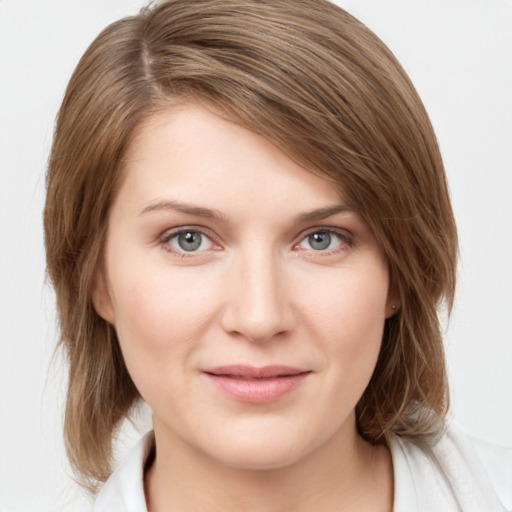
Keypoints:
pixel 321 240
pixel 189 241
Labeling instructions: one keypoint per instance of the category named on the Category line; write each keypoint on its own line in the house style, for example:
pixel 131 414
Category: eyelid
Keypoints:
pixel 345 236
pixel 168 234
pixel 347 239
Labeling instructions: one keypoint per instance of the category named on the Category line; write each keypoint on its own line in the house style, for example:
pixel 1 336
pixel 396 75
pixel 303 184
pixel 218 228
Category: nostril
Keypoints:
pixel 257 305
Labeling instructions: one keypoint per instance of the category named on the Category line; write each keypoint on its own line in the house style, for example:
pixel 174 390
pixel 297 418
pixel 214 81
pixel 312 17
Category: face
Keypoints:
pixel 248 300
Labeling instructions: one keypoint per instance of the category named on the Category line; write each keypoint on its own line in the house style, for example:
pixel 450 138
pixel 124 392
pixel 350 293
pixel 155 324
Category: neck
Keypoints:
pixel 345 474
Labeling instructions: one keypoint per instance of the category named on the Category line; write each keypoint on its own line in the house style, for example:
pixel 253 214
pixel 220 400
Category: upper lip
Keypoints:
pixel 254 372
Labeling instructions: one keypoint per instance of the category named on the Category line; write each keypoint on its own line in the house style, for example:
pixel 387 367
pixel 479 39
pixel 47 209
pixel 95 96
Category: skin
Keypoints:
pixel 256 292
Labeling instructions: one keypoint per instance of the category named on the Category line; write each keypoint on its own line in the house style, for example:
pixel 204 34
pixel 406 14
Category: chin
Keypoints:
pixel 260 458
pixel 263 451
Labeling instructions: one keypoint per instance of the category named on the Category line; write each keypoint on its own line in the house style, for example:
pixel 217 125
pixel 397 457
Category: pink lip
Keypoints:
pixel 256 385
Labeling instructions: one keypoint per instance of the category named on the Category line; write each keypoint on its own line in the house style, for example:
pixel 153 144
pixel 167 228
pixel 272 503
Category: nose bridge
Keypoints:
pixel 258 308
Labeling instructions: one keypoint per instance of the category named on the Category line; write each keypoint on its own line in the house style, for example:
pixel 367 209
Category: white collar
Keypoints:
pixel 124 490
pixel 443 478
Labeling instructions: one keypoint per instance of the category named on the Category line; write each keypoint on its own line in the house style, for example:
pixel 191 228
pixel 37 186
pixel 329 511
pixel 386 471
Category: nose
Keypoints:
pixel 258 307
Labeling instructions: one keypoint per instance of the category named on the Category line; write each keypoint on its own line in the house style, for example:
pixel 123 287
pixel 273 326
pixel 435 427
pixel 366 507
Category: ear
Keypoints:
pixel 101 298
pixel 393 302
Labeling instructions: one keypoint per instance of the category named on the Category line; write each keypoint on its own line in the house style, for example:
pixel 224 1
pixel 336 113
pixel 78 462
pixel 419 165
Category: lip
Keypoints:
pixel 256 385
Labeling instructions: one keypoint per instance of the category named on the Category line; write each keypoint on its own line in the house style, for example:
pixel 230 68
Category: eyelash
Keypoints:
pixel 169 235
pixel 345 238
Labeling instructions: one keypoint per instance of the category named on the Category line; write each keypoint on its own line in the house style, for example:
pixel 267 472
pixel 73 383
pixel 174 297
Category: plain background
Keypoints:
pixel 459 55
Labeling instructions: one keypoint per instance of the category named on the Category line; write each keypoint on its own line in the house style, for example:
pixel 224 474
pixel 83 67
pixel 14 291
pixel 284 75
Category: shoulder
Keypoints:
pixel 457 473
pixel 124 490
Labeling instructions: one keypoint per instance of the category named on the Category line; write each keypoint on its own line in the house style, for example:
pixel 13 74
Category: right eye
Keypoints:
pixel 187 241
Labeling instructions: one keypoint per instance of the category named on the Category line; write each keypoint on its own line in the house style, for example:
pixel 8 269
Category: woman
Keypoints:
pixel 248 227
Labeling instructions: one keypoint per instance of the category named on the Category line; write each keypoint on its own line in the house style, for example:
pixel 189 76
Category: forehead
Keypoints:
pixel 189 153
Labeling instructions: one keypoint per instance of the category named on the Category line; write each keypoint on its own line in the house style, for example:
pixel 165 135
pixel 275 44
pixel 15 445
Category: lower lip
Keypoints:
pixel 257 391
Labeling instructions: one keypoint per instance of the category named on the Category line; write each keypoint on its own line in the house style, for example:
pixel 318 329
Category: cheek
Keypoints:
pixel 348 316
pixel 160 317
pixel 349 304
pixel 353 344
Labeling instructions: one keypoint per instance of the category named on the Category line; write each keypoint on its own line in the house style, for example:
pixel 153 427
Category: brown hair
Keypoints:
pixel 319 84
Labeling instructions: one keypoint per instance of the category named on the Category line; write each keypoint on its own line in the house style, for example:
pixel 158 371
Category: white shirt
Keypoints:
pixel 458 474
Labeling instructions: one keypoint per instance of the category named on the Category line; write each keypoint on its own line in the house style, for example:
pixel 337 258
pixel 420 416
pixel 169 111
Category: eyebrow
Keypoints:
pixel 213 214
pixel 322 213
pixel 186 208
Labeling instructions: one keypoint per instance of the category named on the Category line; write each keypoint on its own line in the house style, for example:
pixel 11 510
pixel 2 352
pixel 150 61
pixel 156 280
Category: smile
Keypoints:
pixel 256 385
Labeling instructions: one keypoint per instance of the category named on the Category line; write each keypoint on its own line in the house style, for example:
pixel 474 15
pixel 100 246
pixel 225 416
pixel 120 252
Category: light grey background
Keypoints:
pixel 458 53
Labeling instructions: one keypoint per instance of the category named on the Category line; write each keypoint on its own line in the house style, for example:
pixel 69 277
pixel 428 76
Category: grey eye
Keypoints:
pixel 319 241
pixel 189 240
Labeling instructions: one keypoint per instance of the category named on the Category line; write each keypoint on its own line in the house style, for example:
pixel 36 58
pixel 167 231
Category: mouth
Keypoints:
pixel 256 385
pixel 253 372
